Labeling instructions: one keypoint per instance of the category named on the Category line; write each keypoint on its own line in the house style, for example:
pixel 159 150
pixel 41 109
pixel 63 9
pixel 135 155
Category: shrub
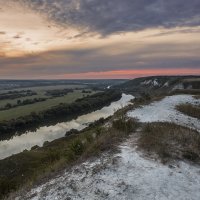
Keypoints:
pixel 71 132
pixel 124 124
pixel 52 156
pixel 77 147
pixel 89 138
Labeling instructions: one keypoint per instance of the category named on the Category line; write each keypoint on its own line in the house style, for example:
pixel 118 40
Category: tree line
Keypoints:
pixel 16 94
pixel 58 93
pixel 22 103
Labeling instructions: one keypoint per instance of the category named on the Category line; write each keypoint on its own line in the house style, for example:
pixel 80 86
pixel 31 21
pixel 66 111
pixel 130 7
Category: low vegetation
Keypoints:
pixel 26 168
pixel 16 94
pixel 194 83
pixel 186 91
pixel 125 124
pixel 86 91
pixel 58 93
pixel 189 109
pixel 197 97
pixel 170 142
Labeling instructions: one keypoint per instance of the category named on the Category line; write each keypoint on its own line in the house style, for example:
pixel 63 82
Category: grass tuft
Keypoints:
pixel 125 124
pixel 189 109
pixel 170 141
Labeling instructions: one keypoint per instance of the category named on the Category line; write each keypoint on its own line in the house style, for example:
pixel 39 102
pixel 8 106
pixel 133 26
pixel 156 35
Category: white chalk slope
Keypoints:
pixel 129 175
pixel 165 111
pixel 124 176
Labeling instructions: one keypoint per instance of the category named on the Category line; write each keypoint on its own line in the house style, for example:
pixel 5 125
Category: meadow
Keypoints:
pixel 50 102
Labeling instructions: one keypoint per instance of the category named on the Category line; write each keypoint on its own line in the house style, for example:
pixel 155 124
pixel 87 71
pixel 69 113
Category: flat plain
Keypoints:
pixel 24 110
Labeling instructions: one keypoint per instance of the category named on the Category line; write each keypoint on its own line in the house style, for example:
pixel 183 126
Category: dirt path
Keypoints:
pixel 123 176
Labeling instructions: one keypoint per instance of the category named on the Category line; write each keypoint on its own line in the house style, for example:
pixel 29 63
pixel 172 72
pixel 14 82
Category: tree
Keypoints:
pixel 19 101
pixel 8 105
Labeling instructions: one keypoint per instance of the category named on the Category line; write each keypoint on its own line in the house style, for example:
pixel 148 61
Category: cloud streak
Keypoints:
pixel 129 74
pixel 108 17
pixel 164 57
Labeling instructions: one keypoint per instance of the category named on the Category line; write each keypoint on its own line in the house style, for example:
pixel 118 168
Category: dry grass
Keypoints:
pixel 107 139
pixel 197 97
pixel 191 80
pixel 39 163
pixel 189 109
pixel 170 142
pixel 186 91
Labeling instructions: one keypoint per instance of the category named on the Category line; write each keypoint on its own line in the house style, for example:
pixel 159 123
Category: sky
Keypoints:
pixel 90 39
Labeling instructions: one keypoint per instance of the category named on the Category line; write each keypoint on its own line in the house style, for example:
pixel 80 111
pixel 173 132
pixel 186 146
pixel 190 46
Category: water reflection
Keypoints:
pixel 28 140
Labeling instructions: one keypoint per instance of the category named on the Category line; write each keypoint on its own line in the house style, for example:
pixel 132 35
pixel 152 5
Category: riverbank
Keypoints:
pixel 60 113
pixel 28 167
pixel 45 134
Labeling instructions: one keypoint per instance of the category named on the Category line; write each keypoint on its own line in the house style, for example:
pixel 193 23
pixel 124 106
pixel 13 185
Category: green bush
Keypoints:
pixel 77 147
pixel 124 124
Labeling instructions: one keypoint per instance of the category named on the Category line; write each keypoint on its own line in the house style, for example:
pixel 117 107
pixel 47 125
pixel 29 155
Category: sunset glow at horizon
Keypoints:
pixel 98 39
pixel 129 74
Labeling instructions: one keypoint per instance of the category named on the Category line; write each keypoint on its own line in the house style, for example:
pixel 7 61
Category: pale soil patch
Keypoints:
pixel 165 111
pixel 123 176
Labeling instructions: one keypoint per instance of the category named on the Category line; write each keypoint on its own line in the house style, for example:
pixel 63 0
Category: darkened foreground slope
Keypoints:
pixel 161 84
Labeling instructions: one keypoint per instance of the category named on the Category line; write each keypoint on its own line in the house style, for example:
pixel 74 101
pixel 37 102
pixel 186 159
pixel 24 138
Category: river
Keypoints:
pixel 29 139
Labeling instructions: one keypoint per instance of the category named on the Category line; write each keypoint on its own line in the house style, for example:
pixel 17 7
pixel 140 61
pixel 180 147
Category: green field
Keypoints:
pixel 40 92
pixel 39 106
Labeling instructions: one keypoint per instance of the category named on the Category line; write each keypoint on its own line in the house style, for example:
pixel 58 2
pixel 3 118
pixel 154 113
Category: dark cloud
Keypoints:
pixel 17 37
pixel 2 33
pixel 111 16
